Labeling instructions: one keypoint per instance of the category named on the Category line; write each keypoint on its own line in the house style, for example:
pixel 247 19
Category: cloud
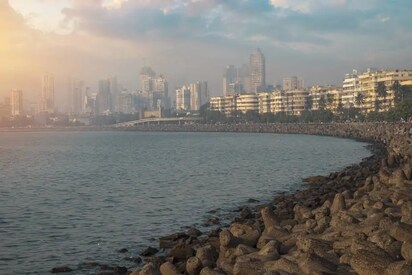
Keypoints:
pixel 193 39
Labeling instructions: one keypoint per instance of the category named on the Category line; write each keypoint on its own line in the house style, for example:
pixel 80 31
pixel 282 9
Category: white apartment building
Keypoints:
pixel 247 102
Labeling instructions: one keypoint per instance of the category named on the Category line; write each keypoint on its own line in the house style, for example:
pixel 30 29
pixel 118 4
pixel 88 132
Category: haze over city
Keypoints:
pixel 194 40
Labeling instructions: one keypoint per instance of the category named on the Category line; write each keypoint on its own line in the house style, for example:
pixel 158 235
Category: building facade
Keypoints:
pixel 257 70
pixel 16 102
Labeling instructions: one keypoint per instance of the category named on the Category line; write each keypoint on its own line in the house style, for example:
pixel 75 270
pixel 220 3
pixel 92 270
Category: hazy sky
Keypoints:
pixel 189 40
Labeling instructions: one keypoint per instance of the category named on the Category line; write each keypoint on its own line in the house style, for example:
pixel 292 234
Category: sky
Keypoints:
pixel 191 40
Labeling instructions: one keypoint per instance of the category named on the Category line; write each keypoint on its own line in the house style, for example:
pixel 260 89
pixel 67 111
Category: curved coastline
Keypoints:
pixel 355 221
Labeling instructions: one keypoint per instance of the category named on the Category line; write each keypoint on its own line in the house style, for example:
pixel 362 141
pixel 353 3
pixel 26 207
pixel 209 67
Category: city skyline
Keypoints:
pixel 188 40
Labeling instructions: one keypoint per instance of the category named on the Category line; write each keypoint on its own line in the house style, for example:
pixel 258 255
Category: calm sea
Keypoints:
pixel 72 197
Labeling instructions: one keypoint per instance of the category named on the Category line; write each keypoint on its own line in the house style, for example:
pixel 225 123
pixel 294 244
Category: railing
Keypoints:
pixel 157 120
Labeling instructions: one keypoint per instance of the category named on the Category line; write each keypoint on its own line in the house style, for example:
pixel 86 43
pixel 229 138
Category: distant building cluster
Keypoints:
pixel 192 96
pixel 244 89
pixel 370 91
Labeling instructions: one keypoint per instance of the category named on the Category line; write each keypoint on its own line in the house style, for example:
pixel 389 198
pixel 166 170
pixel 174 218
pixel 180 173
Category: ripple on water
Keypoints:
pixel 68 198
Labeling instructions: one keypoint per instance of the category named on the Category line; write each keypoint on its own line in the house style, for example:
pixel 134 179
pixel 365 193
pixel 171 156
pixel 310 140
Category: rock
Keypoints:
pixel 242 249
pixel 315 180
pixel 401 231
pixel 246 234
pixel 150 269
pixel 61 269
pixel 210 271
pixel 246 213
pixel 381 239
pixel 308 244
pixel 398 177
pixel 136 260
pixel 181 252
pixel 168 269
pixel 193 266
pixel 193 232
pixel 269 218
pixel 149 251
pixel 365 262
pixel 313 264
pixel 211 221
pixel 171 240
pixel 399 268
pixel 282 264
pixel 248 267
pixel 207 255
pixel 406 210
pixel 406 250
pixel 302 213
pixel 123 250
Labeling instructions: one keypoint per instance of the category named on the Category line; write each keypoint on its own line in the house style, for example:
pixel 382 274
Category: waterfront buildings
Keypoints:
pixel 257 69
pixel 16 102
pixel 76 97
pixel 47 96
pixel 183 99
pixel 235 80
pixel 154 90
pixel 373 90
pixel 292 83
pixel 192 96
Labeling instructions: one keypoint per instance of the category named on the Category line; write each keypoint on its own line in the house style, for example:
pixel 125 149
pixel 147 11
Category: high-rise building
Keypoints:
pixel 47 96
pixel 183 99
pixel 103 98
pixel 229 78
pixel 257 69
pixel 16 102
pixel 154 89
pixel 292 83
pixel 76 97
pixel 199 95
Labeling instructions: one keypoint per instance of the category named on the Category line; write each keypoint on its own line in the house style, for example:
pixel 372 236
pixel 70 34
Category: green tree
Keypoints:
pixel 359 99
pixel 397 90
pixel 322 102
pixel 381 90
pixel 252 116
pixel 329 99
pixel 308 103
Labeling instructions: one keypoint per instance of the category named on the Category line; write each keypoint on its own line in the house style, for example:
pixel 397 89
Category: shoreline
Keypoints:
pixel 349 222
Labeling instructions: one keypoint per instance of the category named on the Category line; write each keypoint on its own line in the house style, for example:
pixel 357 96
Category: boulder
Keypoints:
pixel 313 264
pixel 401 231
pixel 168 268
pixel 406 250
pixel 338 204
pixel 207 255
pixel 193 266
pixel 365 262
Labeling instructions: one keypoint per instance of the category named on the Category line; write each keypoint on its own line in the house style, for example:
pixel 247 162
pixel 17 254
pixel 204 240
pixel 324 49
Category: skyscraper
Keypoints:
pixel 47 100
pixel 229 77
pixel 154 89
pixel 16 102
pixel 257 69
pixel 292 83
pixel 199 95
pixel 76 97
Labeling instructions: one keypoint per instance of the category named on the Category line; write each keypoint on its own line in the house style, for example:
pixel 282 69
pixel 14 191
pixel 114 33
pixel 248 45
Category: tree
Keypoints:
pixel 397 90
pixel 322 102
pixel 359 99
pixel 381 90
pixel 308 103
pixel 330 98
pixel 252 116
